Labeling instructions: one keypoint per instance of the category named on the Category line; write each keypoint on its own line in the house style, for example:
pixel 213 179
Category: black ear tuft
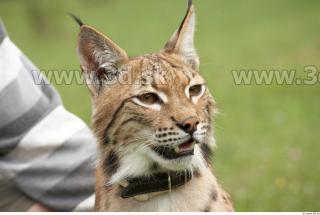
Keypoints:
pixel 77 19
pixel 189 3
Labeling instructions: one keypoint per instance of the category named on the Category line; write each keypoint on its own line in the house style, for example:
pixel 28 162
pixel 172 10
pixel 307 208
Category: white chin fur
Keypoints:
pixel 138 163
pixel 174 164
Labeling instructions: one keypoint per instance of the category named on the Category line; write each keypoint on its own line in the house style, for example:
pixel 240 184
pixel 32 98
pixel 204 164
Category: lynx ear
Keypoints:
pixel 182 41
pixel 99 56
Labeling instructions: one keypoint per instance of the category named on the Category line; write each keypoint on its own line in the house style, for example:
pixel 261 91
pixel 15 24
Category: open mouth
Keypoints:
pixel 182 150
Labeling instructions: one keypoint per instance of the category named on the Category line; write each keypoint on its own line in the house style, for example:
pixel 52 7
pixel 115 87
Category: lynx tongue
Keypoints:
pixel 185 147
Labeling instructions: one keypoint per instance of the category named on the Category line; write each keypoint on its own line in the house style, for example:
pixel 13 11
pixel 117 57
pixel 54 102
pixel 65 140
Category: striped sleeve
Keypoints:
pixel 46 151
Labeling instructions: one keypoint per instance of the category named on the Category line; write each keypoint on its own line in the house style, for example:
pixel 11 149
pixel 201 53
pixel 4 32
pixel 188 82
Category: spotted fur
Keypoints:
pixel 145 109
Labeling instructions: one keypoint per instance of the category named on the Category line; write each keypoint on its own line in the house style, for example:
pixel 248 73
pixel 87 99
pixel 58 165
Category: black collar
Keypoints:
pixel 158 182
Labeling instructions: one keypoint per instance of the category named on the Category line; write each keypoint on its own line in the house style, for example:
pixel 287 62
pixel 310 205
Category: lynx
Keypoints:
pixel 152 117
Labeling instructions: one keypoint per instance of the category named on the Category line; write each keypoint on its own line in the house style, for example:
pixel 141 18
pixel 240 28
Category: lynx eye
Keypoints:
pixel 149 98
pixel 195 90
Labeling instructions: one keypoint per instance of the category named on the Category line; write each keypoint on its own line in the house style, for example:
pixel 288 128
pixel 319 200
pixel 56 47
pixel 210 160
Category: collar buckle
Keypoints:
pixel 142 197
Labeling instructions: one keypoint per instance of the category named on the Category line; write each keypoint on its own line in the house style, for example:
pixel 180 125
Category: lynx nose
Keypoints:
pixel 189 125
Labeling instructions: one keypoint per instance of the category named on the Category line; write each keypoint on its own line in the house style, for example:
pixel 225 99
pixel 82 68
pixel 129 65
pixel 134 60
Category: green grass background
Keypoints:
pixel 268 136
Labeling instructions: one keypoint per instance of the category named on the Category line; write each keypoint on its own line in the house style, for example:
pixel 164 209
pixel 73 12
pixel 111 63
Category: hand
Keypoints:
pixel 38 208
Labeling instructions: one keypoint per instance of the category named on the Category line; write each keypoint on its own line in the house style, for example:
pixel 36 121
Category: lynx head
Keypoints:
pixel 151 112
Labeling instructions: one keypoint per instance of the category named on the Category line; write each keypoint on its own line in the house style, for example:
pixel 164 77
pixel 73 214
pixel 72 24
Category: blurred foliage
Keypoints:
pixel 268 136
